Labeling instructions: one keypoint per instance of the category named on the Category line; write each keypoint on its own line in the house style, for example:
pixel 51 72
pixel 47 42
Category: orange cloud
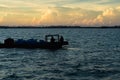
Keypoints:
pixel 2 16
pixel 108 17
pixel 1 19
pixel 77 16
pixel 109 12
pixel 63 16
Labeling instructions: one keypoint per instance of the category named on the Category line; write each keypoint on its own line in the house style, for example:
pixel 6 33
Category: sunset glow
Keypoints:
pixel 59 12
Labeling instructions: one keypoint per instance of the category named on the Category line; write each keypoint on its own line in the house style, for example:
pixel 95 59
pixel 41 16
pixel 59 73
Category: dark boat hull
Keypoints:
pixel 55 45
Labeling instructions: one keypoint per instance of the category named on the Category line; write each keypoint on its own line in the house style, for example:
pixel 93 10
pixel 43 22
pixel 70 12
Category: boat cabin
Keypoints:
pixel 50 38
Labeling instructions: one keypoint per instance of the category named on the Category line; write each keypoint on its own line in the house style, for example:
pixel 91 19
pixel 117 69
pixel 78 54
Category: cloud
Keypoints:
pixel 109 12
pixel 1 19
pixel 118 8
pixel 109 17
pixel 108 2
pixel 78 16
pixel 2 16
pixel 64 16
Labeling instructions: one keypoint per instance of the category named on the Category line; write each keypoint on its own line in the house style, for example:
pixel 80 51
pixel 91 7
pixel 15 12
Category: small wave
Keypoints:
pixel 98 72
pixel 12 77
pixel 76 49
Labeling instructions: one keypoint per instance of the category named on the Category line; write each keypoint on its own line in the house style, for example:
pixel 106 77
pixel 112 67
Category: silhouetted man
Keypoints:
pixel 61 39
pixel 52 39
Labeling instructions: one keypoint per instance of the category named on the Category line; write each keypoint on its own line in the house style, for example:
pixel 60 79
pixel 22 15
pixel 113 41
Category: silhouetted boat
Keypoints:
pixel 50 42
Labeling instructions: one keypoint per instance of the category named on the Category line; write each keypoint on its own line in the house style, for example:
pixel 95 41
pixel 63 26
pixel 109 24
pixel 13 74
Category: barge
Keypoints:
pixel 50 42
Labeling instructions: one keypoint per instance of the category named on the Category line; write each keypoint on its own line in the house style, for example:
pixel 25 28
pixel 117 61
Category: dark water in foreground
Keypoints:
pixel 93 54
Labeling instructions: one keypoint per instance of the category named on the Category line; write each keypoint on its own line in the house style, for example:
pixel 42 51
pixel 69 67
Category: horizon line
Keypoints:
pixel 59 26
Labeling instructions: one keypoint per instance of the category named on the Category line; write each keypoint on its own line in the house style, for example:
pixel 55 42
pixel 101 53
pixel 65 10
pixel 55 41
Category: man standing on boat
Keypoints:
pixel 52 39
pixel 61 39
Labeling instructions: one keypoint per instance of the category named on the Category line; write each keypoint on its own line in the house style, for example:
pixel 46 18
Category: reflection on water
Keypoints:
pixel 93 54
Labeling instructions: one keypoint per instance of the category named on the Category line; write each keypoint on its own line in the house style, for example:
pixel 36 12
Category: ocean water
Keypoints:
pixel 92 54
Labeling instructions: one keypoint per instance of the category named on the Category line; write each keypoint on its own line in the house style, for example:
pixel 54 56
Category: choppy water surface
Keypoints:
pixel 93 54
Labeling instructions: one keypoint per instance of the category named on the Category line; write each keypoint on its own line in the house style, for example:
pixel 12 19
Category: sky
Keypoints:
pixel 59 12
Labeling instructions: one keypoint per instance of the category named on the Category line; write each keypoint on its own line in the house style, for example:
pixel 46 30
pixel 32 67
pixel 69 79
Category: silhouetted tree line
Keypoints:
pixel 57 27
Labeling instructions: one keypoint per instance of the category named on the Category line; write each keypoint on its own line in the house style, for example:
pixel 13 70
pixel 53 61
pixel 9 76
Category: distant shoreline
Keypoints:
pixel 6 27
